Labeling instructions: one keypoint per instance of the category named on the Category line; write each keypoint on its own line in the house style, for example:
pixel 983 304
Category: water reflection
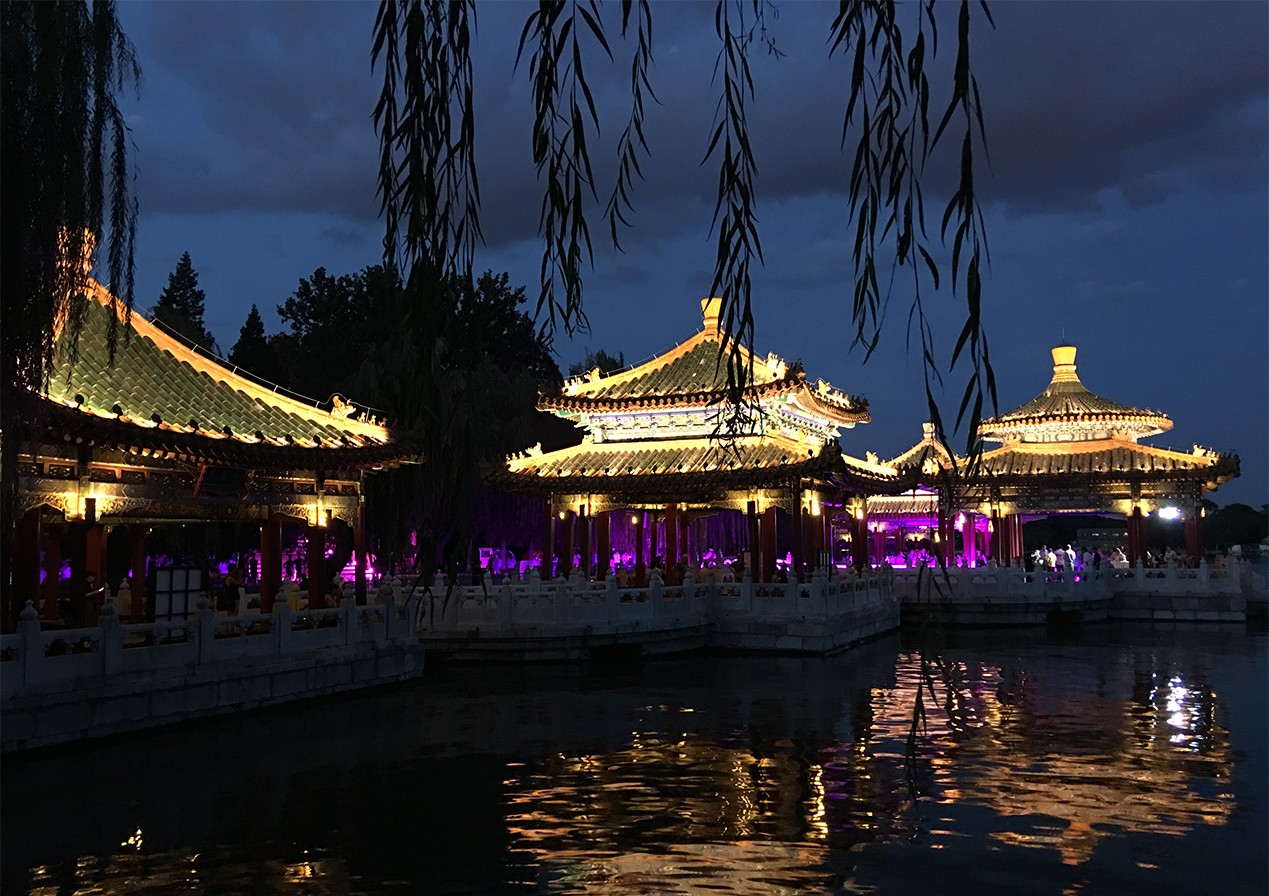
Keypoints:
pixel 1049 766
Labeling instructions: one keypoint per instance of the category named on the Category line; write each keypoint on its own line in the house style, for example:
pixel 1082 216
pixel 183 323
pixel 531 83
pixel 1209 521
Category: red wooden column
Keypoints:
pixel 767 538
pixel 671 544
pixel 52 541
pixel 1015 537
pixel 270 561
pixel 140 581
pixel 641 569
pixel 26 567
pixel 813 538
pixel 567 538
pixel 795 574
pixel 969 536
pixel 547 569
pixel 994 540
pixel 1194 533
pixel 684 524
pixel 1136 541
pixel 603 535
pixel 755 543
pixel 315 556
pixel 583 540
pixel 878 546
pixel 947 539
pixel 860 538
pixel 359 555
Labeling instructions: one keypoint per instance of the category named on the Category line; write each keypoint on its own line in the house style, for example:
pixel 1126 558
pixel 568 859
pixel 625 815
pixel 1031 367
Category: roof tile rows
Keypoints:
pixel 147 386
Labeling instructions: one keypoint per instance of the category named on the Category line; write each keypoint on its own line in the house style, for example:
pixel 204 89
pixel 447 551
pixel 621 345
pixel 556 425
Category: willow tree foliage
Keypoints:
pixel 67 190
pixel 429 187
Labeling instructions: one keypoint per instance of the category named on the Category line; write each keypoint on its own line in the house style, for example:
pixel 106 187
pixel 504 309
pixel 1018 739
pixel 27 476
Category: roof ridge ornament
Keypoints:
pixel 1064 364
pixel 711 308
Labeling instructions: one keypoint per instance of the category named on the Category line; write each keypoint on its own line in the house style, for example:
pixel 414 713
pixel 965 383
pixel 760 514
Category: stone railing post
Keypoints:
pixel 611 598
pixel 123 600
pixel 33 664
pixel 282 626
pixel 348 619
pixel 689 589
pixel 1204 577
pixel 1139 576
pixel 656 593
pixel 506 601
pixel 205 631
pixel 110 638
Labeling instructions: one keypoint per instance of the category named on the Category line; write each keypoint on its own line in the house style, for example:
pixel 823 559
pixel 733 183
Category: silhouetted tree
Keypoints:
pixel 253 351
pixel 181 306
pixel 459 373
pixel 335 323
pixel 1236 524
pixel 600 360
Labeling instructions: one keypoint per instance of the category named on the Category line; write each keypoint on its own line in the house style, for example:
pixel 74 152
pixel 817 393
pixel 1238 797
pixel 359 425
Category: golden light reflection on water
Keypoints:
pixel 1052 759
pixel 1082 756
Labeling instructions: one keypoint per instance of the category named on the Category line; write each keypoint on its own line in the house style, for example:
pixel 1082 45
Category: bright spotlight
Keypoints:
pixel 1169 513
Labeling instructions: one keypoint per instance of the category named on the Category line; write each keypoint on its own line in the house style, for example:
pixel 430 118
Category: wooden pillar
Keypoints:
pixel 671 544
pixel 1136 533
pixel 359 555
pixel 315 557
pixel 270 561
pixel 1194 533
pixel 878 552
pixel 140 581
pixel 641 569
pixel 947 539
pixel 969 534
pixel 1010 550
pixel 583 540
pixel 994 540
pixel 52 541
pixel 547 569
pixel 684 554
pixel 755 544
pixel 603 535
pixel 767 539
pixel 796 573
pixel 567 549
pixel 26 567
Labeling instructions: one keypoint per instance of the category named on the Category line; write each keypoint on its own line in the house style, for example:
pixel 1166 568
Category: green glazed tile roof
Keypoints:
pixel 1068 407
pixel 156 379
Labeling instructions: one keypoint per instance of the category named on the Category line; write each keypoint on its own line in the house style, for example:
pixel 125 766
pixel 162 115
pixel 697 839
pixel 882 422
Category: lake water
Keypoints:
pixel 1113 760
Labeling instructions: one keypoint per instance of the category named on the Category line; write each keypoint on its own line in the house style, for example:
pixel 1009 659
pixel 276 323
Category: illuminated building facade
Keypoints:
pixel 651 453
pixel 165 434
pixel 1068 450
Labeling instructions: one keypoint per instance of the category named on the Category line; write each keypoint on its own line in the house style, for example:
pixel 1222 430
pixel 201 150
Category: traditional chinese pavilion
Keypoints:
pixel 1068 450
pixel 167 434
pixel 651 455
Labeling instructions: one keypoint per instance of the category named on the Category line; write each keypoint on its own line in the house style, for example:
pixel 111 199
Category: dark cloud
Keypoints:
pixel 1126 195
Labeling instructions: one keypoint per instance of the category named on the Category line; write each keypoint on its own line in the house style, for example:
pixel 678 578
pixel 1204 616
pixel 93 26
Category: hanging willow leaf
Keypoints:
pixel 889 107
pixel 633 143
pixel 560 152
pixel 738 23
pixel 67 185
pixel 428 189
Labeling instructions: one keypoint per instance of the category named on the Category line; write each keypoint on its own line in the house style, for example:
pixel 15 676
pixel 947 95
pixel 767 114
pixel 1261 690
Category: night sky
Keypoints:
pixel 1126 201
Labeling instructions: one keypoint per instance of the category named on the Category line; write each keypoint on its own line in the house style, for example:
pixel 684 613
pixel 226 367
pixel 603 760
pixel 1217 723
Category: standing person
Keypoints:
pixel 230 591
pixel 82 607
